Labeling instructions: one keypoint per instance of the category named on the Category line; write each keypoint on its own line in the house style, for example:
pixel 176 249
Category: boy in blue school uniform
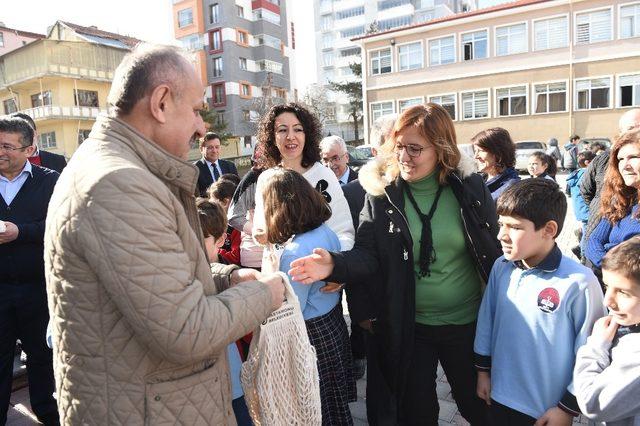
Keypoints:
pixel 538 309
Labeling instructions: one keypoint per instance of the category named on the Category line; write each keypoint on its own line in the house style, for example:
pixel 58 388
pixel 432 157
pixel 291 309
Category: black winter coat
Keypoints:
pixel 383 246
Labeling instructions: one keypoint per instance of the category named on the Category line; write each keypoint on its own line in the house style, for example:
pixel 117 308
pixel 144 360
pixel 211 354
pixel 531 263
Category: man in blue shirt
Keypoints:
pixel 25 190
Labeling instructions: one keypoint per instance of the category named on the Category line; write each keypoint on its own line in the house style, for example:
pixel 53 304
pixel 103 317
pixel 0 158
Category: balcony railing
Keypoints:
pixel 71 112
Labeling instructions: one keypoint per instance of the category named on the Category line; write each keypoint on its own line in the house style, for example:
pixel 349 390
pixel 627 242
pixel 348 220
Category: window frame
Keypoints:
pixel 511 24
pixel 534 97
pixel 49 144
pixel 213 67
pixel 76 98
pixel 595 9
pixel 397 107
pixel 397 52
pixel 216 15
pixel 371 104
pixel 455 102
pixel 224 94
pixel 240 11
pixel 618 91
pixel 489 105
pixel 369 59
pixel 1 39
pixel 178 17
pixel 595 77
pixel 548 18
pixel 497 101
pixel 461 45
pixel 240 32
pixel 241 84
pixel 620 6
pixel 212 33
pixel 5 102
pixel 47 95
pixel 242 60
pixel 455 49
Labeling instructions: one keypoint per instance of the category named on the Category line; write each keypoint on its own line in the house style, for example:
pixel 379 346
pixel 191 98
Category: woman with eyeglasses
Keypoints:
pixel 428 229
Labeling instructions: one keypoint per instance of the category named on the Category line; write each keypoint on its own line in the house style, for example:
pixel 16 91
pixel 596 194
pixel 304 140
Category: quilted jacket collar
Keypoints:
pixel 164 165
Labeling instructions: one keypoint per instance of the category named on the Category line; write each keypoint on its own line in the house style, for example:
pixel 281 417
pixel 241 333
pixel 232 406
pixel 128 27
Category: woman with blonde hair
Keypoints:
pixel 428 229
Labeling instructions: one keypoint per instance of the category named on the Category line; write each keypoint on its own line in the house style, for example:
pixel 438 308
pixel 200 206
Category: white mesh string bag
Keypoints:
pixel 280 377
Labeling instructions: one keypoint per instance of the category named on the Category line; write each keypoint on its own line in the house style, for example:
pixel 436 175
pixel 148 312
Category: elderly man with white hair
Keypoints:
pixel 334 155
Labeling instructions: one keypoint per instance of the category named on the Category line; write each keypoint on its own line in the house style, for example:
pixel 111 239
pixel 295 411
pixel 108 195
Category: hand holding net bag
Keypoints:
pixel 280 377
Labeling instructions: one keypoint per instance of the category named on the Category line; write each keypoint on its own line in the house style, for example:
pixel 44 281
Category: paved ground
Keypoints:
pixel 20 413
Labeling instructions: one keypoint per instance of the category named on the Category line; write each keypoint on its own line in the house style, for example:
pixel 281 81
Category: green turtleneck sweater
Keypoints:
pixel 452 293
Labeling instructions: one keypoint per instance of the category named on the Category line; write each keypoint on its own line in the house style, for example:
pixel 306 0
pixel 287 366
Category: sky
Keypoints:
pixel 151 20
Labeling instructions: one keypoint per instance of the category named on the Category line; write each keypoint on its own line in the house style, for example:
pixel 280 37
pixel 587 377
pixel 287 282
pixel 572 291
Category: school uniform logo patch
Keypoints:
pixel 548 300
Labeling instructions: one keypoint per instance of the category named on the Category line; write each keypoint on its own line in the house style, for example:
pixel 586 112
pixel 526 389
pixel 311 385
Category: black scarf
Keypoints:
pixel 427 252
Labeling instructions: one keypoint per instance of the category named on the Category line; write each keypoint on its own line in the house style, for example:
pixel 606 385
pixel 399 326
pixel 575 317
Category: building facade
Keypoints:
pixel 11 39
pixel 538 68
pixel 243 48
pixel 62 82
pixel 338 21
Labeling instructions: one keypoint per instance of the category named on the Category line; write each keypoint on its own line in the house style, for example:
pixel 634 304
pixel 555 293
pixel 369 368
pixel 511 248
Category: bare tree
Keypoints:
pixel 315 98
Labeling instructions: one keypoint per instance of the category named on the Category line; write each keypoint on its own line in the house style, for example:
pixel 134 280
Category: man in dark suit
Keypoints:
pixel 25 191
pixel 210 165
pixel 333 151
pixel 42 158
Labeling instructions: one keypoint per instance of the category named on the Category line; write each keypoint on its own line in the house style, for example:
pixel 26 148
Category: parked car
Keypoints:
pixel 585 144
pixel 366 150
pixel 357 158
pixel 524 149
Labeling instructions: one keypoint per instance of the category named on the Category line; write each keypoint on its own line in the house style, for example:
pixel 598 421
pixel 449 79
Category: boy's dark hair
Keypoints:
pixel 231 178
pixel 221 190
pixel 537 200
pixel 585 156
pixel 291 206
pixel 212 218
pixel 574 137
pixel 625 259
pixel 597 146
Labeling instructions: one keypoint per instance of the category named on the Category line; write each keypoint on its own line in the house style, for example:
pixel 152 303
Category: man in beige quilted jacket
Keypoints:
pixel 139 321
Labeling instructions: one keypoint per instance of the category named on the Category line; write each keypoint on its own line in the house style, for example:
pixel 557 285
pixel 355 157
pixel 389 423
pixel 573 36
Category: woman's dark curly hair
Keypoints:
pixel 312 134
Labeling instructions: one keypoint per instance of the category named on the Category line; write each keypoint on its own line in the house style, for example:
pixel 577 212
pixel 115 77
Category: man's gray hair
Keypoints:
pixel 381 129
pixel 330 141
pixel 144 69
pixel 18 125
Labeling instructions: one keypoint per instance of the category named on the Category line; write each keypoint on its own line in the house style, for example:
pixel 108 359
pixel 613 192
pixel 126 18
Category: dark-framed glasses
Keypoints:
pixel 412 150
pixel 333 159
pixel 10 148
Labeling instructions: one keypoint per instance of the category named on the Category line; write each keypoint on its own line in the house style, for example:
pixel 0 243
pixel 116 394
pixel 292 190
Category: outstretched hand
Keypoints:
pixel 312 268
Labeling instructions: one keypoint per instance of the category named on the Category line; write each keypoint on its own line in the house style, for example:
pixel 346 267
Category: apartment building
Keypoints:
pixel 62 81
pixel 11 39
pixel 338 21
pixel 539 68
pixel 243 49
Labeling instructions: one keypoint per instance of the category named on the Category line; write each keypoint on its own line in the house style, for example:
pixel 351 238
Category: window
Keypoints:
pixel 242 37
pixel 240 11
pixel 40 99
pixel 242 62
pixel 448 102
pixel 410 56
pixel 442 51
pixel 630 21
pixel 381 61
pixel 86 98
pixel 629 90
pixel 269 66
pixel 246 115
pixel 379 109
pixel 327 41
pixel 349 13
pixel 281 93
pixel 511 39
pixel 592 27
pixel 191 42
pixel 82 135
pixel 550 97
pixel 475 104
pixel 592 94
pixel 345 71
pixel 214 13
pixel 1 39
pixel 425 4
pixel 267 40
pixel 48 140
pixel 185 17
pixel 387 24
pixel 326 22
pixel 266 15
pixel 217 67
pixel 329 75
pixel 245 90
pixel 550 33
pixel 215 40
pixel 10 106
pixel 352 51
pixel 352 32
pixel 327 59
pixel 512 101
pixel 218 119
pixel 219 97
pixel 408 103
pixel 474 45
pixel 388 4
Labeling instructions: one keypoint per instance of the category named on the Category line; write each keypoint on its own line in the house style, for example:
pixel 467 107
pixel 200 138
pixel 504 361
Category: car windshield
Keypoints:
pixel 357 154
pixel 529 145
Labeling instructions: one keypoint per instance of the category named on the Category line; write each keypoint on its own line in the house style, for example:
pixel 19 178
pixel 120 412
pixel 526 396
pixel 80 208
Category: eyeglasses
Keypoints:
pixel 413 151
pixel 9 148
pixel 333 159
